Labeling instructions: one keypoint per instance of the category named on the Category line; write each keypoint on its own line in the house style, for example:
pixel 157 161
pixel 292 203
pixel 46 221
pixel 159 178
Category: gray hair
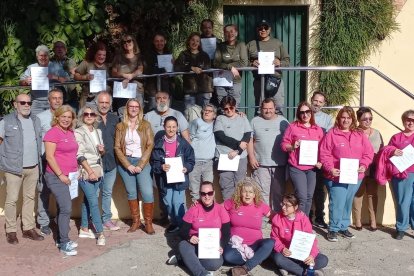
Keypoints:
pixel 103 92
pixel 42 48
pixel 94 109
pixel 212 106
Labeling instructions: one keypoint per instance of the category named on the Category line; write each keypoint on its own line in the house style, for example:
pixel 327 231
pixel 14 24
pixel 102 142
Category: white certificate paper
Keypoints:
pixel 266 62
pixel 209 46
pixel 98 83
pixel 129 92
pixel 74 186
pixel 165 61
pixel 308 152
pixel 226 164
pixel 209 243
pixel 223 78
pixel 301 245
pixel 404 161
pixel 40 80
pixel 175 173
pixel 348 171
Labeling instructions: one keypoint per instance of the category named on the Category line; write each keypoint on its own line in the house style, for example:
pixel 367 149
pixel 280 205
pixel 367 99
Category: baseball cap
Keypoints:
pixel 263 22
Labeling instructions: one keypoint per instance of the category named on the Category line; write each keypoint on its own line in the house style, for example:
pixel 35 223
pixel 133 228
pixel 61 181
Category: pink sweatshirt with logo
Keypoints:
pixel 283 229
pixel 298 131
pixel 338 144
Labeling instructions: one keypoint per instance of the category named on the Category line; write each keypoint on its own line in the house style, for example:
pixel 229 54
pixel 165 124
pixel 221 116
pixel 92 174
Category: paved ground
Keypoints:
pixel 139 254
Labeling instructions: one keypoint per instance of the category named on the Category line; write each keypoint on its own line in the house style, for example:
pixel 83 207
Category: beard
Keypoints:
pixel 162 107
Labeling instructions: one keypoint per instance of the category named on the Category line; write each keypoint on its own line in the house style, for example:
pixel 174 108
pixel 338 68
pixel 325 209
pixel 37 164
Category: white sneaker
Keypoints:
pixel 210 273
pixel 86 234
pixel 173 260
pixel 101 240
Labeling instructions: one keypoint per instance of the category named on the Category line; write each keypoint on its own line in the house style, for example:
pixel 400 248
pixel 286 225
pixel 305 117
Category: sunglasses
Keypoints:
pixel 211 193
pixel 127 41
pixel 409 120
pixel 89 114
pixel 263 28
pixel 305 112
pixel 287 205
pixel 24 103
pixel 229 108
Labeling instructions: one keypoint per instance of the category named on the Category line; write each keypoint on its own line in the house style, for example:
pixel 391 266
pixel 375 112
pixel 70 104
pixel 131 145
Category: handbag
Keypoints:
pixel 272 83
pixel 97 169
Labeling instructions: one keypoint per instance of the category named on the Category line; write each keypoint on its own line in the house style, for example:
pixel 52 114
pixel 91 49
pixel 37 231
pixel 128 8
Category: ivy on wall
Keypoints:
pixel 345 34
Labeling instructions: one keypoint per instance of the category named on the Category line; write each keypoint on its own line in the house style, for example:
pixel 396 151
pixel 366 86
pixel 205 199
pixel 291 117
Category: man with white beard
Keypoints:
pixel 162 110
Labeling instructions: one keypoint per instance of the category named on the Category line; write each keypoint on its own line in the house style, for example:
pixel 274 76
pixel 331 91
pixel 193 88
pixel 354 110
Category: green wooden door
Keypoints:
pixel 289 24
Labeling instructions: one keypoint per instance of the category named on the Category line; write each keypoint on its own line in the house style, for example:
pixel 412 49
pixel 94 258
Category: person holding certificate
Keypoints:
pixel 128 65
pixel 368 186
pixel 95 60
pixel 246 209
pixel 301 141
pixel 134 141
pixel 61 149
pixel 403 187
pixel 206 214
pixel 345 153
pixel 89 156
pixel 232 133
pixel 284 224
pixel 198 87
pixel 167 147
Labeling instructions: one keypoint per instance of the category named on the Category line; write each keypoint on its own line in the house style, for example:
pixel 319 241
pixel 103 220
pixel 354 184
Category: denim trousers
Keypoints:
pixel 107 184
pixel 61 192
pixel 174 200
pixel 297 267
pixel 141 182
pixel 262 249
pixel 304 184
pixel 404 201
pixel 341 197
pixel 197 267
pixel 202 171
pixel 90 204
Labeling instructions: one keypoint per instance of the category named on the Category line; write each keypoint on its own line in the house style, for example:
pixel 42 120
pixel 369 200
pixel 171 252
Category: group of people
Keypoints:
pixel 133 66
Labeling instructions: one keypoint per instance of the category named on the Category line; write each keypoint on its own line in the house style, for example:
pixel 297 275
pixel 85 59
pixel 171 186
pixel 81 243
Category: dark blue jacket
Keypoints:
pixel 184 150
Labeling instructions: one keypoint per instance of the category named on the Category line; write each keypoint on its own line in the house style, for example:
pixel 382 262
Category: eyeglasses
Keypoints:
pixel 127 41
pixel 133 106
pixel 263 28
pixel 208 111
pixel 409 120
pixel 367 119
pixel 24 103
pixel 211 193
pixel 304 112
pixel 287 205
pixel 229 108
pixel 89 114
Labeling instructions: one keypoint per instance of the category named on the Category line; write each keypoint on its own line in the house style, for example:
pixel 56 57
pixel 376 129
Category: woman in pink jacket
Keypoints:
pixel 403 187
pixel 284 224
pixel 303 176
pixel 344 140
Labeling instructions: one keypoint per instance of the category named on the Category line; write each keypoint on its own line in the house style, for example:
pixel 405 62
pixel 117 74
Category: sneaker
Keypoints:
pixel 101 240
pixel 399 235
pixel 86 234
pixel 320 223
pixel 210 273
pixel 69 249
pixel 109 225
pixel 45 230
pixel 173 229
pixel 332 236
pixel 173 260
pixel 347 234
pixel 283 272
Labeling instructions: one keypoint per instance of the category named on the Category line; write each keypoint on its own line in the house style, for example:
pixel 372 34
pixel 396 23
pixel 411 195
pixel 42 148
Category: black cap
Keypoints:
pixel 263 22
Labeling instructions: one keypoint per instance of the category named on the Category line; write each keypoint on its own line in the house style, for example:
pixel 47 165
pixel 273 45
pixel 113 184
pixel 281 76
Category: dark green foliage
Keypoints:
pixel 346 33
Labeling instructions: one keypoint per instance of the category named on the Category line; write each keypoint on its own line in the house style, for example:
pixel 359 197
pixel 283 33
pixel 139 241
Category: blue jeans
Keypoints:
pixel 262 249
pixel 341 197
pixel 404 201
pixel 174 200
pixel 297 267
pixel 304 184
pixel 90 204
pixel 107 185
pixel 197 267
pixel 141 181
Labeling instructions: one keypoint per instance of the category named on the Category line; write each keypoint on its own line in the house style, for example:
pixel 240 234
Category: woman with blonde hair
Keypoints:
pixel 60 150
pixel 134 141
pixel 89 157
pixel 247 247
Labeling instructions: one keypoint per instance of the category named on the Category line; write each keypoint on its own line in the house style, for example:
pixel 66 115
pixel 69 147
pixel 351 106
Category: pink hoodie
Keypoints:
pixel 297 131
pixel 338 144
pixel 385 169
pixel 283 228
pixel 400 141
